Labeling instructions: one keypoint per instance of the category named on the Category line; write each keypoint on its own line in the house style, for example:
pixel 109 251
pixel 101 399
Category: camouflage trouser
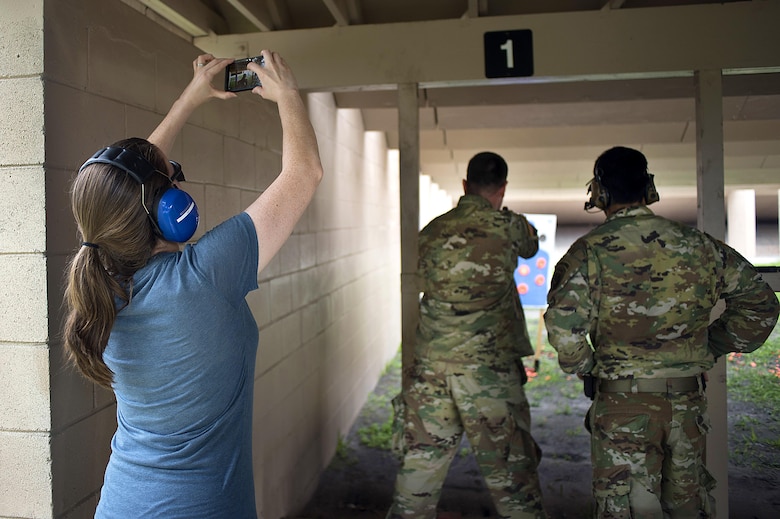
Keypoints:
pixel 491 408
pixel 647 453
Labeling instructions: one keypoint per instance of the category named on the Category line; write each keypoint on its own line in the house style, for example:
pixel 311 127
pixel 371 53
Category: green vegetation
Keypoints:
pixel 378 410
pixel 753 380
pixel 344 455
pixel 377 436
pixel 755 377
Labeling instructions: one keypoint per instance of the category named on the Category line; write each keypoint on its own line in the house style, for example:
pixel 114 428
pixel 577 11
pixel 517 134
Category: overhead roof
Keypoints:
pixel 604 73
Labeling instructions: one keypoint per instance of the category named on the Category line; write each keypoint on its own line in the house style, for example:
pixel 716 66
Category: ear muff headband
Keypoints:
pixel 132 163
pixel 600 198
pixel 174 214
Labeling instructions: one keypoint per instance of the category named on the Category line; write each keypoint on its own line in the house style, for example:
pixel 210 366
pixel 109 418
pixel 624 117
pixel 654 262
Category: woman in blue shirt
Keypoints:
pixel 168 328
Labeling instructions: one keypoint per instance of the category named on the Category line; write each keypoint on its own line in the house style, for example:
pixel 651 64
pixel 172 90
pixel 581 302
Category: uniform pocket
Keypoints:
pixel 398 443
pixel 611 492
pixel 619 458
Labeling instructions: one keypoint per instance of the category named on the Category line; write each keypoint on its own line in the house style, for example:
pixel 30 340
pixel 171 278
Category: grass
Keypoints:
pixel 378 434
pixel 754 379
pixel 751 378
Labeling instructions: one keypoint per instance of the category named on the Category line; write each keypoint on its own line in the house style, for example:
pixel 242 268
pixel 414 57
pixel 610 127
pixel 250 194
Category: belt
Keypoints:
pixel 651 385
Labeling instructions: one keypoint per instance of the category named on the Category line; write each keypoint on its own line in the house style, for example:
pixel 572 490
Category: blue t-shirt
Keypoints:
pixel 183 356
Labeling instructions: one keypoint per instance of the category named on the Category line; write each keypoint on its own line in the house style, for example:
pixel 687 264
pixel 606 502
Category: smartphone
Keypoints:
pixel 239 78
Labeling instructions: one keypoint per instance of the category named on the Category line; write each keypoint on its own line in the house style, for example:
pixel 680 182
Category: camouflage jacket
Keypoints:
pixel 470 310
pixel 633 297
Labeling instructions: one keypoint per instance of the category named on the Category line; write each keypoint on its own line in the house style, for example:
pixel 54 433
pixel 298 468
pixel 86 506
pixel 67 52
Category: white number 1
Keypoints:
pixel 510 57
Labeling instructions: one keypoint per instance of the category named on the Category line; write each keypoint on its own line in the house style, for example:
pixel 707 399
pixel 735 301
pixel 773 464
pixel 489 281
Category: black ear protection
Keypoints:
pixel 173 212
pixel 599 195
pixel 651 195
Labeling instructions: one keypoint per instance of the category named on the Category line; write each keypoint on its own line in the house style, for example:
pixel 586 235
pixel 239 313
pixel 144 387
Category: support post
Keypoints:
pixel 741 221
pixel 409 159
pixel 711 218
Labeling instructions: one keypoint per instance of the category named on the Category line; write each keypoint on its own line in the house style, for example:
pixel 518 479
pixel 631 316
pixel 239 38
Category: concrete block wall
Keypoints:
pixel 321 358
pixel 76 75
pixel 25 472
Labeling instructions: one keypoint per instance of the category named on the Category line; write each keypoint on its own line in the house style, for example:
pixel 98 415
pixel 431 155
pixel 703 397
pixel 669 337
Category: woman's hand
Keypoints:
pixel 276 78
pixel 201 88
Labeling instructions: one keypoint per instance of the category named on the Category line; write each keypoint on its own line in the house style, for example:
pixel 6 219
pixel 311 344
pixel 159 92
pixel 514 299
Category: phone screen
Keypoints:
pixel 239 78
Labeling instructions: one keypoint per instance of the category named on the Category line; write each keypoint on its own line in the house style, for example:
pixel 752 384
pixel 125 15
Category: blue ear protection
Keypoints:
pixel 173 213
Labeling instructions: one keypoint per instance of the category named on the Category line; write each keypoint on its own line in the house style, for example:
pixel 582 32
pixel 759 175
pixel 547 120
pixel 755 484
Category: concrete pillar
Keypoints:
pixel 741 211
pixel 711 218
pixel 409 154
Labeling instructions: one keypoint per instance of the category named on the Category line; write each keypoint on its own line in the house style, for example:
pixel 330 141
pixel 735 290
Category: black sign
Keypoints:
pixel 509 54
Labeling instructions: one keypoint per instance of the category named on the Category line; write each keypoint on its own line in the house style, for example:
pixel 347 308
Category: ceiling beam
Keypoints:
pixel 476 8
pixel 567 46
pixel 251 10
pixel 355 11
pixel 191 16
pixel 338 10
pixel 613 4
pixel 280 15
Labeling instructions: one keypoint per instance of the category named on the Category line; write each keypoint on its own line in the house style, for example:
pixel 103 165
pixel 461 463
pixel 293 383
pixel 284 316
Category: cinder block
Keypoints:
pixel 302 289
pixel 99 121
pixel 290 255
pixel 281 296
pixel 21 38
pixel 108 76
pixel 268 165
pixel 277 341
pixel 66 51
pixel 79 456
pixel 25 480
pixel 22 122
pixel 223 116
pixel 61 232
pixel 314 318
pixel 23 298
pixel 308 249
pixel 173 75
pixel 220 204
pixel 248 197
pixel 322 111
pixel 141 122
pixel 72 395
pixel 239 164
pixel 22 211
pixel 260 304
pixel 255 119
pixel 202 153
pixel 272 269
pixel 24 384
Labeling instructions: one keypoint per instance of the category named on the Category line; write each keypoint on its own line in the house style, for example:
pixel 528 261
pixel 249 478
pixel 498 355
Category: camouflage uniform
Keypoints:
pixel 640 289
pixel 468 368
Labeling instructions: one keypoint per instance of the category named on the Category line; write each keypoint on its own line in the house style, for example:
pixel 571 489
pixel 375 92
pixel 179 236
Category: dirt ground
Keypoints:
pixel 359 481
